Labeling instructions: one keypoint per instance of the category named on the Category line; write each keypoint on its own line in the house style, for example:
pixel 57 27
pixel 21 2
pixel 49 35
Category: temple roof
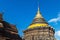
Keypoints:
pixel 38 21
pixel 6 25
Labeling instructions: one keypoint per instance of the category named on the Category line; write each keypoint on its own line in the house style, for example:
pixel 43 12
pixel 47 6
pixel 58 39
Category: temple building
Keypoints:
pixel 39 29
pixel 8 31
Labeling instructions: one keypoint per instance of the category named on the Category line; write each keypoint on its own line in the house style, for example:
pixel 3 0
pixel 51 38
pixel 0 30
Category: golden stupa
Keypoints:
pixel 38 21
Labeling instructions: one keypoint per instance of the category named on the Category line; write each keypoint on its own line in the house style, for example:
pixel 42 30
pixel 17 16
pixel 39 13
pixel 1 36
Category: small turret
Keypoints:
pixel 1 17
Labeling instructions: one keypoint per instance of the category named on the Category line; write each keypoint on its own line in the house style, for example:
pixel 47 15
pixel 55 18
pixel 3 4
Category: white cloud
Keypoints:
pixel 57 33
pixel 55 20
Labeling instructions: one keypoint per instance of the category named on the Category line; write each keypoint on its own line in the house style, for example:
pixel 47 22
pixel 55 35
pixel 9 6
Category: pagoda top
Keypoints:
pixel 38 15
pixel 38 21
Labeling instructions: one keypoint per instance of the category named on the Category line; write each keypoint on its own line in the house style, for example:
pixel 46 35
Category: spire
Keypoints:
pixel 38 21
pixel 38 15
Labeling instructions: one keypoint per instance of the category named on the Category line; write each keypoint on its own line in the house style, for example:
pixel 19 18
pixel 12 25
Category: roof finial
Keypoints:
pixel 1 16
pixel 38 4
pixel 38 12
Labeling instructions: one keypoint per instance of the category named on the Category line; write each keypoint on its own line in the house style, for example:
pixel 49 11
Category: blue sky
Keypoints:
pixel 22 12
